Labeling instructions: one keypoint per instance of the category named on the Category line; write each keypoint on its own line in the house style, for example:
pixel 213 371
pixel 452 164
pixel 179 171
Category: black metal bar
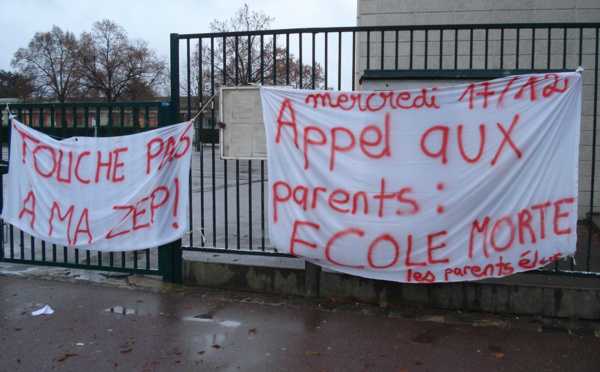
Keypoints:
pixel 274 59
pixel 564 48
pixel 326 61
pixel 287 59
pixel 249 79
pixel 455 49
pixel 471 48
pixel 236 66
pixel 426 46
pixel 250 204
pixel 237 202
pixel 314 63
pixel 213 160
pixel 517 48
pixel 262 59
pixel 594 135
pixel 502 48
pixel 411 53
pixel 189 82
pixel 441 63
pixel 300 83
pixel 262 204
pixel 461 26
pixel 549 49
pixel 533 48
pixel 382 49
pixel 340 61
pixel 487 53
pixel 353 60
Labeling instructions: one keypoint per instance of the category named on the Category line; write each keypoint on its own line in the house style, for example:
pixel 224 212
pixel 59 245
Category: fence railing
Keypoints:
pixel 63 120
pixel 229 203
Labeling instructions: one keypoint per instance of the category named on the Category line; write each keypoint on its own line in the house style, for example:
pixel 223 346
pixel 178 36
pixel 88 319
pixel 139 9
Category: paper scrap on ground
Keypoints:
pixel 46 310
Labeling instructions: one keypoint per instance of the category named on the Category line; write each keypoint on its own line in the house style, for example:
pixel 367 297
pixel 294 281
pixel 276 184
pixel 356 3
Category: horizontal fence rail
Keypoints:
pixel 228 197
pixel 63 120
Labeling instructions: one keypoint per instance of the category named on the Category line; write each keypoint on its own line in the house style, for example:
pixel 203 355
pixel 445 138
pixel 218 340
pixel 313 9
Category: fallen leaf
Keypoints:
pixel 126 351
pixel 216 346
pixel 63 357
pixel 497 355
pixel 253 330
pixel 313 353
pixel 201 352
pixel 224 364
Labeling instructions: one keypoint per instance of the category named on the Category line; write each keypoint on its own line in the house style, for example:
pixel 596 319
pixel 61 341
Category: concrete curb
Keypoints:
pixel 526 294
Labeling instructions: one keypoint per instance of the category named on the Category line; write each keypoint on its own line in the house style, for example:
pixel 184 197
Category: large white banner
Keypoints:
pixel 430 185
pixel 106 194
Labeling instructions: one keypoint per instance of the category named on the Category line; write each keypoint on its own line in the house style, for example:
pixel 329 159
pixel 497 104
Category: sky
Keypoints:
pixel 154 20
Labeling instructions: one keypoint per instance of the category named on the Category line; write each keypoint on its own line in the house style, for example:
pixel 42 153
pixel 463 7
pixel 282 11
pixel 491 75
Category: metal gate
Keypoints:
pixel 228 196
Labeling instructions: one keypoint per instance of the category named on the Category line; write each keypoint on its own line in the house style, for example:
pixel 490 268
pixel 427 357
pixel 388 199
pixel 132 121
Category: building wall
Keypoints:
pixel 424 12
pixel 509 49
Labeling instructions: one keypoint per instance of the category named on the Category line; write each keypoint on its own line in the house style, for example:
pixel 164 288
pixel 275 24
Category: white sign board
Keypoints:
pixel 242 134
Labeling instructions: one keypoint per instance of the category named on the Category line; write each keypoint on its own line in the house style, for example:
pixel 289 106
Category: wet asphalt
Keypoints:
pixel 140 324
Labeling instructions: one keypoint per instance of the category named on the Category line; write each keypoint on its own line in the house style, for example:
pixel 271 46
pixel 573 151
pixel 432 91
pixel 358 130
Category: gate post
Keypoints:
pixel 170 256
pixel 170 262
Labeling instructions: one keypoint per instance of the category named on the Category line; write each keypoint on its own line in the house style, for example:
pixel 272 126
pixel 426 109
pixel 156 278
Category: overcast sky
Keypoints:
pixel 154 20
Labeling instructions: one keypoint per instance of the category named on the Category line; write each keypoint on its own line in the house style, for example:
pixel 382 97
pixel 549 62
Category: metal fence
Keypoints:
pixel 228 196
pixel 62 120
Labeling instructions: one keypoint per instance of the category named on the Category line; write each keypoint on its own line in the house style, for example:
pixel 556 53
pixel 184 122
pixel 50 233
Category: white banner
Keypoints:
pixel 107 194
pixel 430 185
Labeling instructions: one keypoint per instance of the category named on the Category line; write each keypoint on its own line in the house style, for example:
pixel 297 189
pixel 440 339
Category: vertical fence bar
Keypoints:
pixel 225 162
pixel 533 48
pixel 441 62
pixel 471 48
pixel 250 204
pixel 314 62
pixel 426 47
pixel 396 50
pixel 340 61
pixel 382 66
pixel 455 49
pixel 594 143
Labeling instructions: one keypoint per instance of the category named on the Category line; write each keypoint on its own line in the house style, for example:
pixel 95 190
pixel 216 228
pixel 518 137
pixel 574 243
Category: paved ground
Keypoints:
pixel 131 323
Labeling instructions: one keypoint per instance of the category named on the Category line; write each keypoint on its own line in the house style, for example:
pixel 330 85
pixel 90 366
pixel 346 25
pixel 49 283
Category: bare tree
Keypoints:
pixel 48 63
pixel 115 67
pixel 244 60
